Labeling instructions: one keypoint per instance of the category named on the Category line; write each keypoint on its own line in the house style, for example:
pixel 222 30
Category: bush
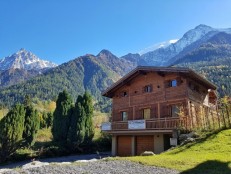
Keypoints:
pixel 103 143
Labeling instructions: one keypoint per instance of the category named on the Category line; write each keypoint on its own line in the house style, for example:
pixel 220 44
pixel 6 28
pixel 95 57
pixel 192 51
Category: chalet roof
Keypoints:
pixel 144 69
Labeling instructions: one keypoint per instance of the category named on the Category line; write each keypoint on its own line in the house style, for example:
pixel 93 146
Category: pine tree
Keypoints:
pixel 62 115
pixel 31 125
pixel 88 108
pixel 11 130
pixel 77 127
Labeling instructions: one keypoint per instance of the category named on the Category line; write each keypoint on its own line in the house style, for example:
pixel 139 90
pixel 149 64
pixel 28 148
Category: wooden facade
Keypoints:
pixel 150 103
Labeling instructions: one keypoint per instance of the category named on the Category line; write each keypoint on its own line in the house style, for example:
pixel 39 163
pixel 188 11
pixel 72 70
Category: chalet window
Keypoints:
pixel 124 116
pixel 173 83
pixel 146 113
pixel 124 94
pixel 174 110
pixel 147 88
pixel 194 87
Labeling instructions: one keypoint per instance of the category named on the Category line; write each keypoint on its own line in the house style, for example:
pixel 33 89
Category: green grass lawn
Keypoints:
pixel 211 154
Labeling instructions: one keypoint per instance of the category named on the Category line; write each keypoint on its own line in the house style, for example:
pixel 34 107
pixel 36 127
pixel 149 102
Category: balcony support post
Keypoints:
pixel 133 145
pixel 114 145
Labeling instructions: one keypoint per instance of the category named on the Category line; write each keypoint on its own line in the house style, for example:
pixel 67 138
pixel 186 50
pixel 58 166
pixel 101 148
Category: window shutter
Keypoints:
pixel 178 79
pixel 151 86
pixel 116 116
pixel 130 114
pixel 154 113
pixel 164 110
pixel 167 84
pixel 141 114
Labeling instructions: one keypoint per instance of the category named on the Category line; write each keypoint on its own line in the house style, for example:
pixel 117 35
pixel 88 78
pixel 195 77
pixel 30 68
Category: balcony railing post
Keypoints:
pixel 165 123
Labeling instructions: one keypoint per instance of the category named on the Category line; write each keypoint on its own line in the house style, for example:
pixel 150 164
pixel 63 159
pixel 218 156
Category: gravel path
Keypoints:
pixel 93 167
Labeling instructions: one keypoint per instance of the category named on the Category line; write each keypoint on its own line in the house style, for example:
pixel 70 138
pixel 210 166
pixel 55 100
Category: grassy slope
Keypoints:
pixel 209 155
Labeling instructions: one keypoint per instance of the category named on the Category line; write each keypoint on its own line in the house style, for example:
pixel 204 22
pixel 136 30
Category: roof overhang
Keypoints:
pixel 161 70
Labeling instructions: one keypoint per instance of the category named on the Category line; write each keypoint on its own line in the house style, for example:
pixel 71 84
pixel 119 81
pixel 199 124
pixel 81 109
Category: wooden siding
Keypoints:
pixel 158 99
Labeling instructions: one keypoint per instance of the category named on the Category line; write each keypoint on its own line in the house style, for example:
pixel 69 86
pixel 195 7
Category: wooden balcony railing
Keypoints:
pixel 150 124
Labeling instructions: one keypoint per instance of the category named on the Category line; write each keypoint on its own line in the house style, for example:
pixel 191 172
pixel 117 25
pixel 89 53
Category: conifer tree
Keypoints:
pixel 88 108
pixel 31 125
pixel 62 115
pixel 77 127
pixel 11 130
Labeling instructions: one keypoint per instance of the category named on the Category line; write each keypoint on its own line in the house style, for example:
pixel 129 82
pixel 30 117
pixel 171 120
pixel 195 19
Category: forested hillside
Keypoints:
pixel 212 60
pixel 86 73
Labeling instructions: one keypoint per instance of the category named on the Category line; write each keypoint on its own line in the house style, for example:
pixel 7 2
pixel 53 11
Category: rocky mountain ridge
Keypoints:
pixel 26 60
pixel 165 56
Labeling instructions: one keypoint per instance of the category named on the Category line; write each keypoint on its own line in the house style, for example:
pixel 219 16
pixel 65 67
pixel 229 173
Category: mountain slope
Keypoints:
pixel 15 76
pixel 91 73
pixel 213 60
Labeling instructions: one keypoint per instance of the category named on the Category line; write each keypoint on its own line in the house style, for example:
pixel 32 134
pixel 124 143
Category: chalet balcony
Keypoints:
pixel 168 123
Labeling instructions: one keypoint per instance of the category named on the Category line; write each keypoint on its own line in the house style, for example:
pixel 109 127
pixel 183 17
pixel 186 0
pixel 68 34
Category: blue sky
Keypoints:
pixel 61 30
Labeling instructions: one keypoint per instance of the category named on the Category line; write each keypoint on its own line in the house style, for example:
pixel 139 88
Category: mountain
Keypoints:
pixel 24 60
pixel 20 67
pixel 213 60
pixel 191 40
pixel 86 73
pixel 120 66
pixel 218 46
pixel 135 58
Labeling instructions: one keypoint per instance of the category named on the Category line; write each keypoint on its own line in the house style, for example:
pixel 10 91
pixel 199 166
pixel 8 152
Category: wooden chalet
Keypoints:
pixel 150 104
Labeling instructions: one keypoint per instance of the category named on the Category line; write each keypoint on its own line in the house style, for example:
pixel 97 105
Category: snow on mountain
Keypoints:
pixel 157 46
pixel 24 60
pixel 163 55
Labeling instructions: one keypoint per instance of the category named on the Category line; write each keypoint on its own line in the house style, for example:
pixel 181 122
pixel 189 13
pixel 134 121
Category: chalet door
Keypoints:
pixel 144 143
pixel 175 110
pixel 146 113
pixel 167 141
pixel 124 145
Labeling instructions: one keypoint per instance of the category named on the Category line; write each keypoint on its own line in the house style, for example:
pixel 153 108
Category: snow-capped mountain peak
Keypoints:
pixel 192 35
pixel 161 56
pixel 24 59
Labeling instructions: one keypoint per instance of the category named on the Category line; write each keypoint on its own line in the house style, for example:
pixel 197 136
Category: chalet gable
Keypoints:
pixel 162 71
